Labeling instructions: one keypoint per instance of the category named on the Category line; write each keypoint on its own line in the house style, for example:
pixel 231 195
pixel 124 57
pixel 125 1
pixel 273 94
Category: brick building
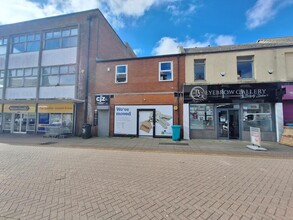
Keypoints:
pixel 137 97
pixel 44 65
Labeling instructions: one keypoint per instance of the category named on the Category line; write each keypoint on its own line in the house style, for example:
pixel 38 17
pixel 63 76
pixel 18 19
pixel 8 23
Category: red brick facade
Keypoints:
pixel 142 88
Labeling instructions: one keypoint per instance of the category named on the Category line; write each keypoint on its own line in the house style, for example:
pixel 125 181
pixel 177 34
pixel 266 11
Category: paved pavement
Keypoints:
pixel 83 179
pixel 203 146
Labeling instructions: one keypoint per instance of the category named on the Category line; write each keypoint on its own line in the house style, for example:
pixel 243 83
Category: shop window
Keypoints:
pixel 7 121
pixel 27 77
pixel 245 67
pixel 56 119
pixel 43 121
pixel 63 121
pixel 26 43
pixel 64 38
pixel 121 74
pixel 201 116
pixel 3 45
pixel 257 115
pixel 165 71
pixel 31 122
pixel 67 123
pixel 58 75
pixel 199 70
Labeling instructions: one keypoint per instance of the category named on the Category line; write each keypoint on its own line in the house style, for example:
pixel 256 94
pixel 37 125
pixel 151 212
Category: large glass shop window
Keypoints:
pixel 201 116
pixel 257 115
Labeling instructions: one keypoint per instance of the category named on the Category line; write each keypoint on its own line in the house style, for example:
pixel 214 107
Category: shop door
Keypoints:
pixel 146 122
pixel 228 123
pixel 20 120
pixel 103 123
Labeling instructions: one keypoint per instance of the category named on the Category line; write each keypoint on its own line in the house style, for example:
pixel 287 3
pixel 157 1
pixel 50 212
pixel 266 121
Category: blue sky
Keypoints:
pixel 156 27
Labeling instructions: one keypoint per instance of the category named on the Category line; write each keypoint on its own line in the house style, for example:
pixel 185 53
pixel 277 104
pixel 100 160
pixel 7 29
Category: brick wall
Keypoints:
pixel 143 86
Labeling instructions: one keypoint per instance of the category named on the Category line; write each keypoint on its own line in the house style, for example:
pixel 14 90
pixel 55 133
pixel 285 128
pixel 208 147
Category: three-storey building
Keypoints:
pixel 44 69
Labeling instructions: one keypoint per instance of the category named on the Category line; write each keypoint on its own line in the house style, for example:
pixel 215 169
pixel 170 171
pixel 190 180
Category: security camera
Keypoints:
pixel 222 73
pixel 270 71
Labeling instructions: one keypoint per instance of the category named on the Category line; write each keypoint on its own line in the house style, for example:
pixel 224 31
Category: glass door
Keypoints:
pixel 223 124
pixel 228 123
pixel 20 122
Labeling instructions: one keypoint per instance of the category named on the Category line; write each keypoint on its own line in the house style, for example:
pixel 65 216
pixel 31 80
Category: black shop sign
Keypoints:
pixel 259 92
pixel 102 99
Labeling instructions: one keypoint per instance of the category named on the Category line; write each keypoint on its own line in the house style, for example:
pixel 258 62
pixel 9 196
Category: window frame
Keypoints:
pixel 25 40
pixel 2 76
pixel 203 62
pixel 245 60
pixel 3 45
pixel 22 77
pixel 125 73
pixel 58 74
pixel 58 36
pixel 163 71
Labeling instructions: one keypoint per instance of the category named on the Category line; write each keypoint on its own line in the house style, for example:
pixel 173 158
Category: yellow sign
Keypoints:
pixel 55 108
pixel 31 108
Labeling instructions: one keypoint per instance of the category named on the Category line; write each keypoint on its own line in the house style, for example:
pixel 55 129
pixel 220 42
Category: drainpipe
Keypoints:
pixel 89 20
pixel 178 86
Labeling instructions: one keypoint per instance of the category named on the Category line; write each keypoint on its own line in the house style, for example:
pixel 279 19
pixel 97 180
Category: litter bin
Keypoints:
pixel 176 132
pixel 86 131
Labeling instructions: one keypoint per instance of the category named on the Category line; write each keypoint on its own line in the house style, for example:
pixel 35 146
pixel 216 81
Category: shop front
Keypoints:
pixel 19 118
pixel 228 111
pixel 288 105
pixel 143 120
pixel 57 115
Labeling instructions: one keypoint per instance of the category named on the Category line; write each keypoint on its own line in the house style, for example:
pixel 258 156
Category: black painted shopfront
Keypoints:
pixel 228 111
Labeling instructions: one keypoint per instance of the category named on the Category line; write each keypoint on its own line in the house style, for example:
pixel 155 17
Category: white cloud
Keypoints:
pixel 22 10
pixel 114 10
pixel 264 11
pixel 130 7
pixel 168 45
pixel 222 40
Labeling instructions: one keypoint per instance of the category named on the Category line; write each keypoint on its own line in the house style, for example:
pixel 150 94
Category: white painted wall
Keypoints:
pixel 66 92
pixel 186 122
pixel 21 93
pixel 23 60
pixel 279 120
pixel 59 56
pixel 2 62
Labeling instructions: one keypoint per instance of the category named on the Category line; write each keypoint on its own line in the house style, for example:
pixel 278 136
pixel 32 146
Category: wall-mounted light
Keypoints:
pixel 222 73
pixel 108 69
pixel 270 71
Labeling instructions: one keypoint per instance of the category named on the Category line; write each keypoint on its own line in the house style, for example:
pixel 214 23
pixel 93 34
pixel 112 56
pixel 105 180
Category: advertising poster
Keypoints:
pixel 126 118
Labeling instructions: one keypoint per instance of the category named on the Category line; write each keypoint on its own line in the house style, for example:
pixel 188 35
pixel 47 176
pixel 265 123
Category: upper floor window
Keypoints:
pixel 166 71
pixel 23 77
pixel 199 69
pixel 61 38
pixel 3 45
pixel 2 74
pixel 121 74
pixel 245 67
pixel 58 75
pixel 26 43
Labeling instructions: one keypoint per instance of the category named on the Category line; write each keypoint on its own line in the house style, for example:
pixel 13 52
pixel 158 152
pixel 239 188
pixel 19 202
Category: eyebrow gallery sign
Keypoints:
pixel 227 93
